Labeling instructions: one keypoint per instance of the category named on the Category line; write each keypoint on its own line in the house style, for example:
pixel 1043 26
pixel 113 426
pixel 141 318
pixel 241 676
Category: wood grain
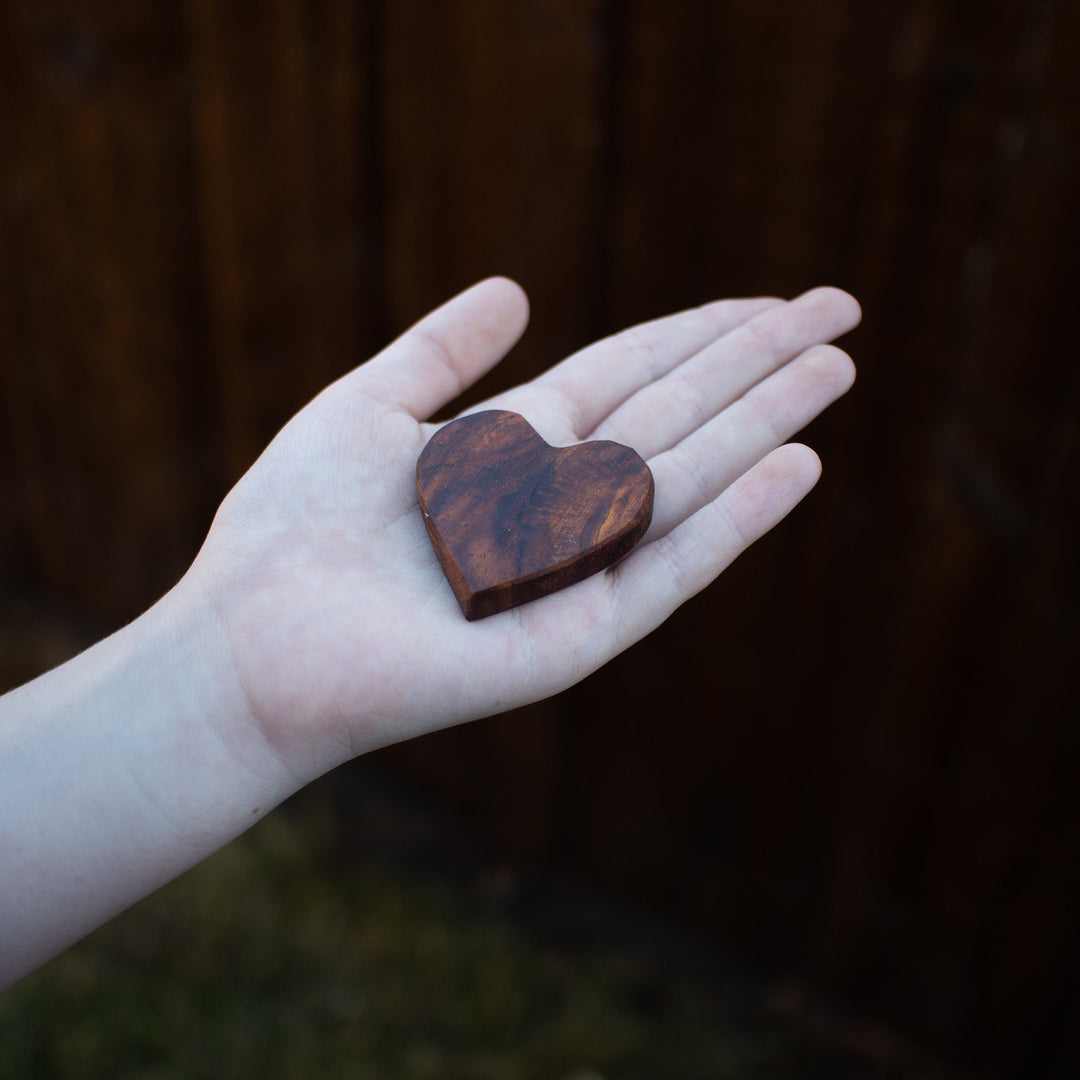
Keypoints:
pixel 512 519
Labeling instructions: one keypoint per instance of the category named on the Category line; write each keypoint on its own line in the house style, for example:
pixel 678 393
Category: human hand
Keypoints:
pixel 343 632
pixel 316 623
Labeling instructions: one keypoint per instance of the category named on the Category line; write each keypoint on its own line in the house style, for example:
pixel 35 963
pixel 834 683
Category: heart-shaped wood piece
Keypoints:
pixel 512 519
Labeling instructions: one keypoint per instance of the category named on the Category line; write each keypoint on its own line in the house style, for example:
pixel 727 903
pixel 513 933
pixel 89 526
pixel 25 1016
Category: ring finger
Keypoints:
pixel 694 471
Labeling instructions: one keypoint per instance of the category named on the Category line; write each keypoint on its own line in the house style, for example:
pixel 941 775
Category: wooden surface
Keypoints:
pixel 513 519
pixel 854 758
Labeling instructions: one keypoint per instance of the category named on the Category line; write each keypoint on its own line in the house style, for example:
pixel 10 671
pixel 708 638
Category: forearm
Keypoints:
pixel 119 770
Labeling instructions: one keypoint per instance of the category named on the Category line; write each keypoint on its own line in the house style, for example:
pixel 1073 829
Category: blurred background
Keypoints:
pixel 853 761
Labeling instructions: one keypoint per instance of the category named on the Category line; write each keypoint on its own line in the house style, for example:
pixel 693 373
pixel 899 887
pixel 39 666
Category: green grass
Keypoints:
pixel 277 958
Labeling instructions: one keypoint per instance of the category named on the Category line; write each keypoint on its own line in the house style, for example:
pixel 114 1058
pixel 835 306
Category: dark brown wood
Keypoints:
pixel 512 519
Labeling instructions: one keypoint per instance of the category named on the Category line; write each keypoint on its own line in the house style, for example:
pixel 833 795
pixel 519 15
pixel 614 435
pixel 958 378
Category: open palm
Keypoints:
pixel 344 634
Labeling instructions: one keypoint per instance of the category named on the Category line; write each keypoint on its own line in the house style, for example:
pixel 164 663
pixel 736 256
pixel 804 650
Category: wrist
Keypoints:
pixel 189 643
pixel 205 740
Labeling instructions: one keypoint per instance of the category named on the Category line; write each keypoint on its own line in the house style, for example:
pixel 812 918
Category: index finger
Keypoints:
pixel 573 397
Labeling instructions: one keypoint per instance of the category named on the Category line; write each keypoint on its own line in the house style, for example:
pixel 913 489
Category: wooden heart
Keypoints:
pixel 512 519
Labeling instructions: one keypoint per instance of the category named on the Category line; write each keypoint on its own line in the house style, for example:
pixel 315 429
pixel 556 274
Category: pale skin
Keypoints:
pixel 315 623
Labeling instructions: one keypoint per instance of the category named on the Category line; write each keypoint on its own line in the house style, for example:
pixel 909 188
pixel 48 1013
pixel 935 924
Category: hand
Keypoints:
pixel 316 623
pixel 344 635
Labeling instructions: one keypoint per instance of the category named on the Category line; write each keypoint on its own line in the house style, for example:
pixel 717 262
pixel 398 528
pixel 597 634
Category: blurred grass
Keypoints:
pixel 280 957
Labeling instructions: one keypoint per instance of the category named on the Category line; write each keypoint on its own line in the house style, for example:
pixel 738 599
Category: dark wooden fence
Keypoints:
pixel 856 757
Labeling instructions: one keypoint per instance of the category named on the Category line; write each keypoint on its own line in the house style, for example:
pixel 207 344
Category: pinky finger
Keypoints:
pixel 652 582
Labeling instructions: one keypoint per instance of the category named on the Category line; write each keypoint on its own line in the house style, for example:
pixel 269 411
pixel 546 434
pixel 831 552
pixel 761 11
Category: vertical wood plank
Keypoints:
pixel 284 121
pixel 97 267
pixel 493 138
